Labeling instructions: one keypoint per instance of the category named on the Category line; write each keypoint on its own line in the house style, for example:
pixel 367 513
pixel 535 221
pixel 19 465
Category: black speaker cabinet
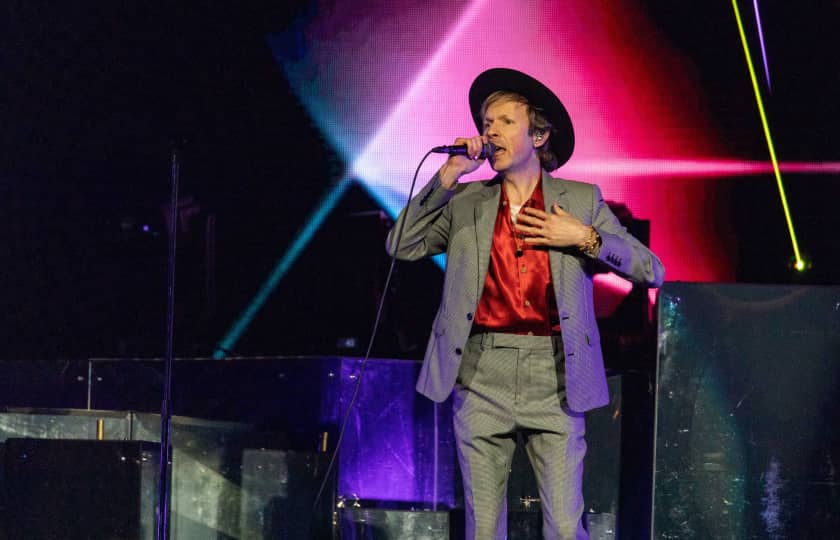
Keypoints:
pixel 80 489
pixel 228 480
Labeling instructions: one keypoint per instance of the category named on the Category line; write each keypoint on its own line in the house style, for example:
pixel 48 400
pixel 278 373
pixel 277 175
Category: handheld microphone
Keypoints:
pixel 461 150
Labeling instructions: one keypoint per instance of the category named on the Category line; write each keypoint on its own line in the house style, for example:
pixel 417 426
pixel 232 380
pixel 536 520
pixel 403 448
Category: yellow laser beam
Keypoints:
pixel 800 264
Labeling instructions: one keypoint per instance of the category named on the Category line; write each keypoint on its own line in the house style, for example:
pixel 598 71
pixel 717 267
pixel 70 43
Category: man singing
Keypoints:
pixel 515 336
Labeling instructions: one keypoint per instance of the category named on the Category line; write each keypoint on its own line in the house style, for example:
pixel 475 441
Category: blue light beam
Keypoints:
pixel 313 223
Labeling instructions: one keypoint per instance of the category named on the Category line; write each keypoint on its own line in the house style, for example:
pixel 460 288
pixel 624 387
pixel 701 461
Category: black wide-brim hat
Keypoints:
pixel 562 139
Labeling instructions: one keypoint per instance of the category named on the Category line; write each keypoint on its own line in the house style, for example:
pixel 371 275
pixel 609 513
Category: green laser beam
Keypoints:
pixel 800 264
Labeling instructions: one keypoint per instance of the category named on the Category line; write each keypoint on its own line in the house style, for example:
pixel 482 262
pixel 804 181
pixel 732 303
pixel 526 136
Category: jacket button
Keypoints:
pixel 469 316
pixel 458 351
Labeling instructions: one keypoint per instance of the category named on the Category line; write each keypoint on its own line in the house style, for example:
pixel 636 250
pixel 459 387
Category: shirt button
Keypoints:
pixel 530 333
pixel 523 269
pixel 469 316
pixel 527 303
pixel 458 351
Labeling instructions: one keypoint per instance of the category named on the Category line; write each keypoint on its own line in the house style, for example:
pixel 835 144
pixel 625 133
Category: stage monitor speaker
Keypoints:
pixel 228 479
pixel 92 490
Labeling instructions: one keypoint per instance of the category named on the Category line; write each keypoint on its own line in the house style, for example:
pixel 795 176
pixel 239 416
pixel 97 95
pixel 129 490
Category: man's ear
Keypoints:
pixel 540 137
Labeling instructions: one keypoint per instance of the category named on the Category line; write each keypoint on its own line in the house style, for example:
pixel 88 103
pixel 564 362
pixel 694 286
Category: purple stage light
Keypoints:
pixel 761 42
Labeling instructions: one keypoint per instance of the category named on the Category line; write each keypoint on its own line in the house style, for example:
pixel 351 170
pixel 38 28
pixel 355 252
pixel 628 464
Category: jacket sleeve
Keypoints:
pixel 422 228
pixel 623 253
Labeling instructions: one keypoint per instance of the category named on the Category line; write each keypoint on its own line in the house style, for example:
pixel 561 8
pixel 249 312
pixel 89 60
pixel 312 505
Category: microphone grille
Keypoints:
pixel 488 149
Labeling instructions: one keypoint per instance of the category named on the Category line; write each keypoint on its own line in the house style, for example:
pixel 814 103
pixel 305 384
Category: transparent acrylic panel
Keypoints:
pixel 747 427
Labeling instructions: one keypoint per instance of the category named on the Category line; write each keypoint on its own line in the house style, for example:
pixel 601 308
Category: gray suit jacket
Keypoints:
pixel 460 222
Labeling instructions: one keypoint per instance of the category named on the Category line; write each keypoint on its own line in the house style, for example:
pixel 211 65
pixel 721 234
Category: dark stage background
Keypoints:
pixel 96 94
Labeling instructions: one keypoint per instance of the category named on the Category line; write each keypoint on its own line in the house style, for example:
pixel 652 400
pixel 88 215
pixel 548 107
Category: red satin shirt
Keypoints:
pixel 518 296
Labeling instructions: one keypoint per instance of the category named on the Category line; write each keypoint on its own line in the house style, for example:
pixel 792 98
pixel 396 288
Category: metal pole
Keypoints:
pixel 166 403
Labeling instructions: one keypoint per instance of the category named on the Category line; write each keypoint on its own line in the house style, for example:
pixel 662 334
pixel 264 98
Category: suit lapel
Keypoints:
pixel 554 190
pixel 486 211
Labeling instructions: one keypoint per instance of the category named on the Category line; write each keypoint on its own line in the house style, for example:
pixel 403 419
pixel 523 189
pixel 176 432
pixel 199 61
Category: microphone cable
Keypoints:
pixel 376 322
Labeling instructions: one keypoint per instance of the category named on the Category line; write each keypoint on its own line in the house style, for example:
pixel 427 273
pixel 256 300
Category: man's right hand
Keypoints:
pixel 457 166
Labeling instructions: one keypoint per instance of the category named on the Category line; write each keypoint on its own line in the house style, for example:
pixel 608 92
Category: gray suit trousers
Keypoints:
pixel 509 383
